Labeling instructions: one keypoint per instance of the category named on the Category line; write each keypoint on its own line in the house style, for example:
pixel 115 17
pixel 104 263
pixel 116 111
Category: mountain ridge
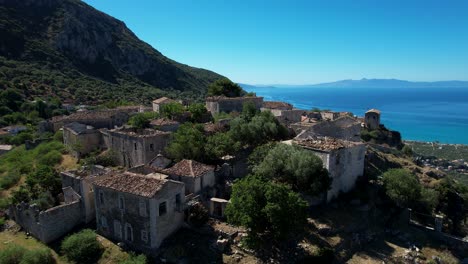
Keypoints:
pixel 71 48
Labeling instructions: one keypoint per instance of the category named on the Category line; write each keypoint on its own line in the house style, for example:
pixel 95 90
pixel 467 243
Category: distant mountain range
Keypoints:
pixel 374 83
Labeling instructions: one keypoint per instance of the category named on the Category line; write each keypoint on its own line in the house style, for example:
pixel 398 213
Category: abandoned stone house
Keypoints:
pixel 329 115
pixel 135 147
pixel 196 176
pixel 77 207
pixel 219 104
pixel 372 119
pixel 81 139
pixel 345 127
pixel 284 112
pixel 343 159
pixel 165 124
pixel 97 119
pixel 160 102
pixel 139 210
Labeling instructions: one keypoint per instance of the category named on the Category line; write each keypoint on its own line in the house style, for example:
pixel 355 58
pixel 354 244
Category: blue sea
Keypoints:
pixel 429 114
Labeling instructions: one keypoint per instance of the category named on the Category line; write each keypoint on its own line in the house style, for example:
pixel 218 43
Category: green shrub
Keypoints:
pixel 2 222
pixel 58 136
pixel 322 255
pixel 38 256
pixel 135 259
pixel 12 254
pixel 82 247
pixel 51 158
pixel 4 203
pixel 198 215
pixel 9 180
pixel 407 150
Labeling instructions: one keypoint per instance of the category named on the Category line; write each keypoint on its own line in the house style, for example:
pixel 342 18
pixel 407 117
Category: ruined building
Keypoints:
pixel 284 112
pixel 97 119
pixel 372 119
pixel 77 208
pixel 139 210
pixel 218 104
pixel 135 147
pixel 160 102
pixel 346 128
pixel 81 139
pixel 343 159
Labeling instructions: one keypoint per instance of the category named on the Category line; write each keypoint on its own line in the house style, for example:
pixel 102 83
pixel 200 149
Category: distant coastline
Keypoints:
pixel 369 83
pixel 426 115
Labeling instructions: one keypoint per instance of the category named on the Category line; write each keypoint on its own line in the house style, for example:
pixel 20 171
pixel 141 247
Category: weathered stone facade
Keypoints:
pixel 372 119
pixel 135 147
pixel 77 208
pixel 344 161
pixel 328 115
pixel 218 104
pixel 81 139
pixel 53 223
pixel 139 210
pixel 81 181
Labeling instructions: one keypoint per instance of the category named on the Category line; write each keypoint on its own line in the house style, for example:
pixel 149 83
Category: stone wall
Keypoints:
pixel 132 150
pixel 48 225
pixel 82 144
pixel 344 167
pixel 329 115
pixel 231 104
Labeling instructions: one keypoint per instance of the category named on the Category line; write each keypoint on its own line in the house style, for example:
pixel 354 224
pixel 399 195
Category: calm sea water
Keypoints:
pixel 435 114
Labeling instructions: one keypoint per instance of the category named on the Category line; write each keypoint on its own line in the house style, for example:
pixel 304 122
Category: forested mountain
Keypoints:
pixel 68 49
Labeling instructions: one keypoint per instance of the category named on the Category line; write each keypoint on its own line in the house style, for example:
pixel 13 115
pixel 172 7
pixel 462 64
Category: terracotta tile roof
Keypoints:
pixel 87 115
pixel 189 168
pixel 163 122
pixel 325 143
pixel 277 105
pixel 132 183
pixel 163 100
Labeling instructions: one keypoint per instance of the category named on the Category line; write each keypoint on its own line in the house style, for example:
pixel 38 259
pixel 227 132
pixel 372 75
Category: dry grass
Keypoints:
pixel 112 253
pixel 12 236
pixel 68 163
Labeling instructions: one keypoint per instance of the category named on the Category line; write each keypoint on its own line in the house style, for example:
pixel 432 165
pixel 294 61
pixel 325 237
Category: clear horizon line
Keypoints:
pixel 315 83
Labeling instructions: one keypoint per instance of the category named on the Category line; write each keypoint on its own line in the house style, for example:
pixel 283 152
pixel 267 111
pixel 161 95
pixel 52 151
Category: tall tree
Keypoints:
pixel 188 142
pixel 402 187
pixel 265 207
pixel 292 165
pixel 225 87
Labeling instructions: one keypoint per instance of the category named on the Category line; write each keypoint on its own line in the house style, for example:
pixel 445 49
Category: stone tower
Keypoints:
pixel 372 119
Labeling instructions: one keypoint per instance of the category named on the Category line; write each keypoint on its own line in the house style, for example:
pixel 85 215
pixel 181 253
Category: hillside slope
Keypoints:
pixel 68 49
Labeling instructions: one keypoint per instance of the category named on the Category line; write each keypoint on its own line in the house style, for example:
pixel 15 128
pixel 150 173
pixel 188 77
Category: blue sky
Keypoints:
pixel 303 42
